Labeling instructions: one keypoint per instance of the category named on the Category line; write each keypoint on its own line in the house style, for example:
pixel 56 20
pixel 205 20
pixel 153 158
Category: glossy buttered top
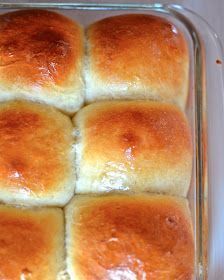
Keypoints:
pixel 133 145
pixel 130 237
pixel 35 150
pixel 137 56
pixel 38 48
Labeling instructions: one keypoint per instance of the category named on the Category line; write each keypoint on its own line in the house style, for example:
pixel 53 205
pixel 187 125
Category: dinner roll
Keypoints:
pixel 129 237
pixel 41 57
pixel 136 56
pixel 133 145
pixel 31 243
pixel 36 155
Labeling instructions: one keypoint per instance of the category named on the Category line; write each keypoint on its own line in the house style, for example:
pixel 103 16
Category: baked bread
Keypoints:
pixel 129 237
pixel 41 57
pixel 31 243
pixel 36 154
pixel 133 145
pixel 136 56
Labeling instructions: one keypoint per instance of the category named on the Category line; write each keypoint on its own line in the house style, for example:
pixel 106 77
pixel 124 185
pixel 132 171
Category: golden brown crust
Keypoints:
pixel 135 145
pixel 41 58
pixel 140 237
pixel 35 151
pixel 135 119
pixel 140 55
pixel 38 47
pixel 31 243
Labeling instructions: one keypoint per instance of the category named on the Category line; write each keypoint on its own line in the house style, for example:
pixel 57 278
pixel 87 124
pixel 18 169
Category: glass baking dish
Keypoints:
pixel 205 114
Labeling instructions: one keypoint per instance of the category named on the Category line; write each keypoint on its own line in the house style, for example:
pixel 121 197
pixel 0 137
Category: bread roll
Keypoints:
pixel 36 155
pixel 133 145
pixel 129 237
pixel 41 57
pixel 136 56
pixel 31 243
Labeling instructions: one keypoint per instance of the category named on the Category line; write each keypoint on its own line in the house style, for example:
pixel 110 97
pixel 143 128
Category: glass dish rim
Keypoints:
pixel 177 11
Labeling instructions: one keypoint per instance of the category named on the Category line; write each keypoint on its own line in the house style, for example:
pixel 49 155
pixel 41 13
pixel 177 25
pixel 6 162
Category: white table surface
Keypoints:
pixel 213 12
